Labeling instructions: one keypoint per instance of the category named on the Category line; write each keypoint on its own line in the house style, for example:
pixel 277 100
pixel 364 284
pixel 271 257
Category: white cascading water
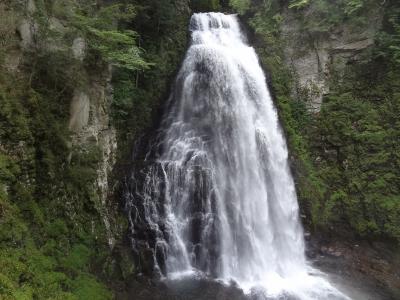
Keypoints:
pixel 228 206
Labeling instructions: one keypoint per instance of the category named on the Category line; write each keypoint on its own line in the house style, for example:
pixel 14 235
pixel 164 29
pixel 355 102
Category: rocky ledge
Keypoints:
pixel 365 268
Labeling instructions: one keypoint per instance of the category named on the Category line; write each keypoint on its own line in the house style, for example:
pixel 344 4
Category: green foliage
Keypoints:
pixel 12 117
pixel 353 6
pixel 241 6
pixel 129 103
pixel 114 45
pixel 299 4
pixel 35 232
pixel 118 48
pixel 139 95
pixel 26 273
pixel 321 16
pixel 204 5
pixel 8 169
pixel 357 128
pixel 267 26
pixel 8 21
pixel 78 258
pixel 87 287
pixel 390 39
pixel 354 139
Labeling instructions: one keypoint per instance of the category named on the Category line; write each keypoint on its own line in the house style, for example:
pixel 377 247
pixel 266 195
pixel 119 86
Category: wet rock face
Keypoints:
pixel 193 289
pixel 359 266
pixel 314 57
pixel 143 235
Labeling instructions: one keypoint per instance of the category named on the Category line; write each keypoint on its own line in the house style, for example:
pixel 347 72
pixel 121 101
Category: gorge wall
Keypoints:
pixel 68 119
pixel 58 149
pixel 315 57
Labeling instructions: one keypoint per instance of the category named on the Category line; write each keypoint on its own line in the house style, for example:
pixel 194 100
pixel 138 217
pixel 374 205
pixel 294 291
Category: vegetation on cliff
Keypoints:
pixel 346 155
pixel 53 232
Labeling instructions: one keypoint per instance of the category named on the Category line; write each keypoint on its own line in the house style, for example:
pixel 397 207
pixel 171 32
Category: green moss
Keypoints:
pixel 356 125
pixel 240 6
pixel 28 274
pixel 87 287
pixel 204 5
pixel 78 259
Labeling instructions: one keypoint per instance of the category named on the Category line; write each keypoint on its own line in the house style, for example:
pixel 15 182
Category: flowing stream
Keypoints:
pixel 219 199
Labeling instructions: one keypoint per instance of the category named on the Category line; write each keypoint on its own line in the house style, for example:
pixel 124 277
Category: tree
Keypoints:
pixel 115 46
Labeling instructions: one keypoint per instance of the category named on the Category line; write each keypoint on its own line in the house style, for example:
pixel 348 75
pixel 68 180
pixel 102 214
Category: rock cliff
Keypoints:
pixel 313 56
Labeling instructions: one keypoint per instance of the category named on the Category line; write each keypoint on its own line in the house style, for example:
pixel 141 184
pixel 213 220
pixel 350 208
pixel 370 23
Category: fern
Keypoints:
pixel 299 4
pixel 115 46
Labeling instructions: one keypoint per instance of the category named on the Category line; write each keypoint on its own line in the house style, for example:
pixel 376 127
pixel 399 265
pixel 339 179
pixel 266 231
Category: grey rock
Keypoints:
pixel 79 111
pixel 312 58
pixel 90 124
pixel 31 7
pixel 79 48
pixel 27 30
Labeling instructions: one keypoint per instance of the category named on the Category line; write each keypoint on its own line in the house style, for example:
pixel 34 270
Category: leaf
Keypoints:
pixel 299 4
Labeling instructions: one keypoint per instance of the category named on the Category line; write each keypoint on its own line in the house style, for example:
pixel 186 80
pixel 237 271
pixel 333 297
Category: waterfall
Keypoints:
pixel 218 199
